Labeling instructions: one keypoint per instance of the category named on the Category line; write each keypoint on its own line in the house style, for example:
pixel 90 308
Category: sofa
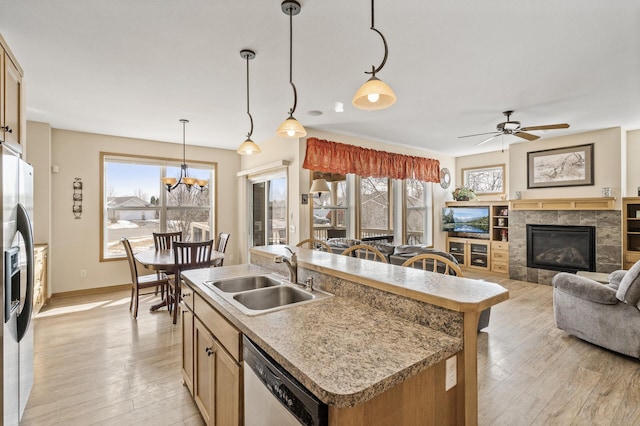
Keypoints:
pixel 607 315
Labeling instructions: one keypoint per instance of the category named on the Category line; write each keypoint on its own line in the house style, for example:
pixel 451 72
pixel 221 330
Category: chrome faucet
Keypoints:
pixel 292 264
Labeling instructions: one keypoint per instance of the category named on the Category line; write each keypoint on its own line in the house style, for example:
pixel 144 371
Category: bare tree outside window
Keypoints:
pixel 485 180
pixel 375 209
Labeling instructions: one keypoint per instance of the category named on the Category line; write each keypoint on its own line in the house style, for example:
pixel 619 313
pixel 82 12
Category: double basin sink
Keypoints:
pixel 258 294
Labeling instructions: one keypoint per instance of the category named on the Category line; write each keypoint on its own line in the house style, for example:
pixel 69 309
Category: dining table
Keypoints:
pixel 163 260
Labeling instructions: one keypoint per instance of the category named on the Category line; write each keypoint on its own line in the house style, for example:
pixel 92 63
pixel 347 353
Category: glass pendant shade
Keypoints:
pixel 319 185
pixel 249 147
pixel 291 128
pixel 373 95
pixel 169 181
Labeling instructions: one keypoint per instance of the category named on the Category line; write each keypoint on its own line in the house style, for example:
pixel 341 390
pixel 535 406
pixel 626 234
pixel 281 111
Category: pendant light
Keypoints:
pixel 375 93
pixel 190 182
pixel 248 147
pixel 291 128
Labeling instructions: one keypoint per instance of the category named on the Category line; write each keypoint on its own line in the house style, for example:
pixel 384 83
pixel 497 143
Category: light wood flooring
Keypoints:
pixel 96 365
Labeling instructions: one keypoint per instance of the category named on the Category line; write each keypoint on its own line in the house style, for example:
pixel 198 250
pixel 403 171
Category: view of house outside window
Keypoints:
pixel 137 204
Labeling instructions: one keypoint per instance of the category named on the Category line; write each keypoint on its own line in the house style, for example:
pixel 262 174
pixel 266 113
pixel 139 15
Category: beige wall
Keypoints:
pixel 607 163
pixel 482 160
pixel 294 150
pixel 632 160
pixel 75 244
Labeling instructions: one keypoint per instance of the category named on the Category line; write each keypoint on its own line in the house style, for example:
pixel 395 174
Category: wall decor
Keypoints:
pixel 77 198
pixel 484 180
pixel 558 167
pixel 445 178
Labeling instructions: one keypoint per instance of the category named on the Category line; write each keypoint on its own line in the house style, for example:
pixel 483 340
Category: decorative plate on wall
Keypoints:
pixel 445 178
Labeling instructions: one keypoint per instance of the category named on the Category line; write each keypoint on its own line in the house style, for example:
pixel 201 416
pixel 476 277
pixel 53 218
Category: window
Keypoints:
pixel 484 180
pixel 418 218
pixel 269 210
pixel 375 207
pixel 330 210
pixel 135 203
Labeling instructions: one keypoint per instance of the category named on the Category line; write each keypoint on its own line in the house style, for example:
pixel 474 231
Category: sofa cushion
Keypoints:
pixel 584 288
pixel 342 242
pixel 383 247
pixel 629 290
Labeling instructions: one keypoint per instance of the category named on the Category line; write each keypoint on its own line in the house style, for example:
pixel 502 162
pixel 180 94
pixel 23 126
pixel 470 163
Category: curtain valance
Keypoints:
pixel 335 157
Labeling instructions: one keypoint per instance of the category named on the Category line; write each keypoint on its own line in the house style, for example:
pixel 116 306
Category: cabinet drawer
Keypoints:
pixel 500 267
pixel 223 330
pixel 500 245
pixel 187 296
pixel 632 256
pixel 499 255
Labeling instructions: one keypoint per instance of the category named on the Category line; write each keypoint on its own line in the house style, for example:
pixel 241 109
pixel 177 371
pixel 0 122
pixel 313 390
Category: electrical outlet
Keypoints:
pixel 451 378
pixel 83 273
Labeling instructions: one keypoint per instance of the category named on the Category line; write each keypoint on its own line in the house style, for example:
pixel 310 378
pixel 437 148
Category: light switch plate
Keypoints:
pixel 451 367
pixel 292 229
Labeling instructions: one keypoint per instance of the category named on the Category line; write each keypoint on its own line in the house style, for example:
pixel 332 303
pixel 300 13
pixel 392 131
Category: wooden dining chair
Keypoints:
pixel 140 282
pixel 164 241
pixel 186 256
pixel 221 246
pixel 434 263
pixel 314 244
pixel 364 251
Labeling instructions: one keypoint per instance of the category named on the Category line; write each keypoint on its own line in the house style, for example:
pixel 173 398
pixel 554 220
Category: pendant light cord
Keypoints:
pixel 248 113
pixel 374 70
pixel 295 92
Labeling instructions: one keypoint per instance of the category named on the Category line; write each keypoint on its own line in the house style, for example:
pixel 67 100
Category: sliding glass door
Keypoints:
pixel 269 211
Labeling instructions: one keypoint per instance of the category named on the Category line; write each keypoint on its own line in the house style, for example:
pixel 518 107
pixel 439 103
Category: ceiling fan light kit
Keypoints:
pixel 510 127
pixel 375 94
pixel 291 128
pixel 248 147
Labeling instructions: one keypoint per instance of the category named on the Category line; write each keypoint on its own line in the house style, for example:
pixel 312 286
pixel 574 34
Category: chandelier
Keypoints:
pixel 190 182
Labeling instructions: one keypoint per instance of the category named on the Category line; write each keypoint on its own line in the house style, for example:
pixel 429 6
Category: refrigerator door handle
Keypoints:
pixel 24 228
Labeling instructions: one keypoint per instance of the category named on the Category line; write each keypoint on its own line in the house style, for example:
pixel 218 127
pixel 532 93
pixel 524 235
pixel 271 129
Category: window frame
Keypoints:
pixel 161 162
pixel 427 208
pixel 483 169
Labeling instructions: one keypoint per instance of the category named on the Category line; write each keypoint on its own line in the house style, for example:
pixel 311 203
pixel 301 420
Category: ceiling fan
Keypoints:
pixel 513 128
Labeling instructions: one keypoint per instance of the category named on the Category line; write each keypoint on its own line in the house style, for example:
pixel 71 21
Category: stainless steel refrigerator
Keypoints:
pixel 17 292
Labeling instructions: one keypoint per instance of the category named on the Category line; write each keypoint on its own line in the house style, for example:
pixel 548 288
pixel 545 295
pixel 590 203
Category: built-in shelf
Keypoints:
pixel 601 203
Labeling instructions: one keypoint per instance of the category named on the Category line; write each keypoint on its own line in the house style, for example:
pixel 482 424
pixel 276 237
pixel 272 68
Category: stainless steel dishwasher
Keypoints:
pixel 272 397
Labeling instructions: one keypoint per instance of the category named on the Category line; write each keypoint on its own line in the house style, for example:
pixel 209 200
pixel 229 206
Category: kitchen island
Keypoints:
pixel 375 351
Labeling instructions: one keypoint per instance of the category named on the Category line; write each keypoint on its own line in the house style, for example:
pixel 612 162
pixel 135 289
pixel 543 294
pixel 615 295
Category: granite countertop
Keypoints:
pixel 454 293
pixel 343 351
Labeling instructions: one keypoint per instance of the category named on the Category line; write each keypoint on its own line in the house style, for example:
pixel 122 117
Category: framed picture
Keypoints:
pixel 484 180
pixel 570 166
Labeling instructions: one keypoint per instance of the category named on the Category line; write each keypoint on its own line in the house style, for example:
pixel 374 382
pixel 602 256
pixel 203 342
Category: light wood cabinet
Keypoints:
pixel 630 231
pixel 490 254
pixel 40 257
pixel 212 361
pixel 11 98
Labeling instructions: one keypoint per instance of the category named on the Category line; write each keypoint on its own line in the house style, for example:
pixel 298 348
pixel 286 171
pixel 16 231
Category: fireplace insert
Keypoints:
pixel 561 248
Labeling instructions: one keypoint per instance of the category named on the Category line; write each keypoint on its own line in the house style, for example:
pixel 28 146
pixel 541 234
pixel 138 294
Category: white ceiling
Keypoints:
pixel 134 68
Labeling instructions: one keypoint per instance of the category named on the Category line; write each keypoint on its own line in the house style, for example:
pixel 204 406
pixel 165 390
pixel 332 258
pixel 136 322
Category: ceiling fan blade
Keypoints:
pixel 487 140
pixel 527 136
pixel 480 134
pixel 547 127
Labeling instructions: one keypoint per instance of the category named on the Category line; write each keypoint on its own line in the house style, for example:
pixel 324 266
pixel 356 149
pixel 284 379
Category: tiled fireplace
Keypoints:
pixel 608 239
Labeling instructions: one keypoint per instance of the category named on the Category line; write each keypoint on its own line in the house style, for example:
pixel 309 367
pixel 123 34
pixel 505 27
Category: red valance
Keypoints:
pixel 335 157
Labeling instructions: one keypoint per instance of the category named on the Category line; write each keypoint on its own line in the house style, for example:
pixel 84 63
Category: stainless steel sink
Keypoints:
pixel 272 297
pixel 235 285
pixel 259 294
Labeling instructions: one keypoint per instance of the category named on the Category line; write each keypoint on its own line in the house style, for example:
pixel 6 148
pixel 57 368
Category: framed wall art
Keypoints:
pixel 569 166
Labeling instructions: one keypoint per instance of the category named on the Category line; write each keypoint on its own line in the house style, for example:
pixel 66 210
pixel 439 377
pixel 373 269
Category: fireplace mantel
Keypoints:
pixel 599 203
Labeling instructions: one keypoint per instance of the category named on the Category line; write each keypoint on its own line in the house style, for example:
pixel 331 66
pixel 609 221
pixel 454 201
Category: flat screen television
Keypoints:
pixel 466 219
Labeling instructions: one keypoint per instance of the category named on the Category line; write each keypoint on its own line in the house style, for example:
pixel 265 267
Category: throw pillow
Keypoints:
pixel 615 277
pixel 629 290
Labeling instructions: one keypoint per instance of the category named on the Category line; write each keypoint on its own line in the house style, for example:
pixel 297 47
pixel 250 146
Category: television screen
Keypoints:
pixel 465 219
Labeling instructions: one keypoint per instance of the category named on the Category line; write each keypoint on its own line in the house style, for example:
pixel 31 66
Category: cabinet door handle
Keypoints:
pixel 6 129
pixel 185 295
pixel 209 351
